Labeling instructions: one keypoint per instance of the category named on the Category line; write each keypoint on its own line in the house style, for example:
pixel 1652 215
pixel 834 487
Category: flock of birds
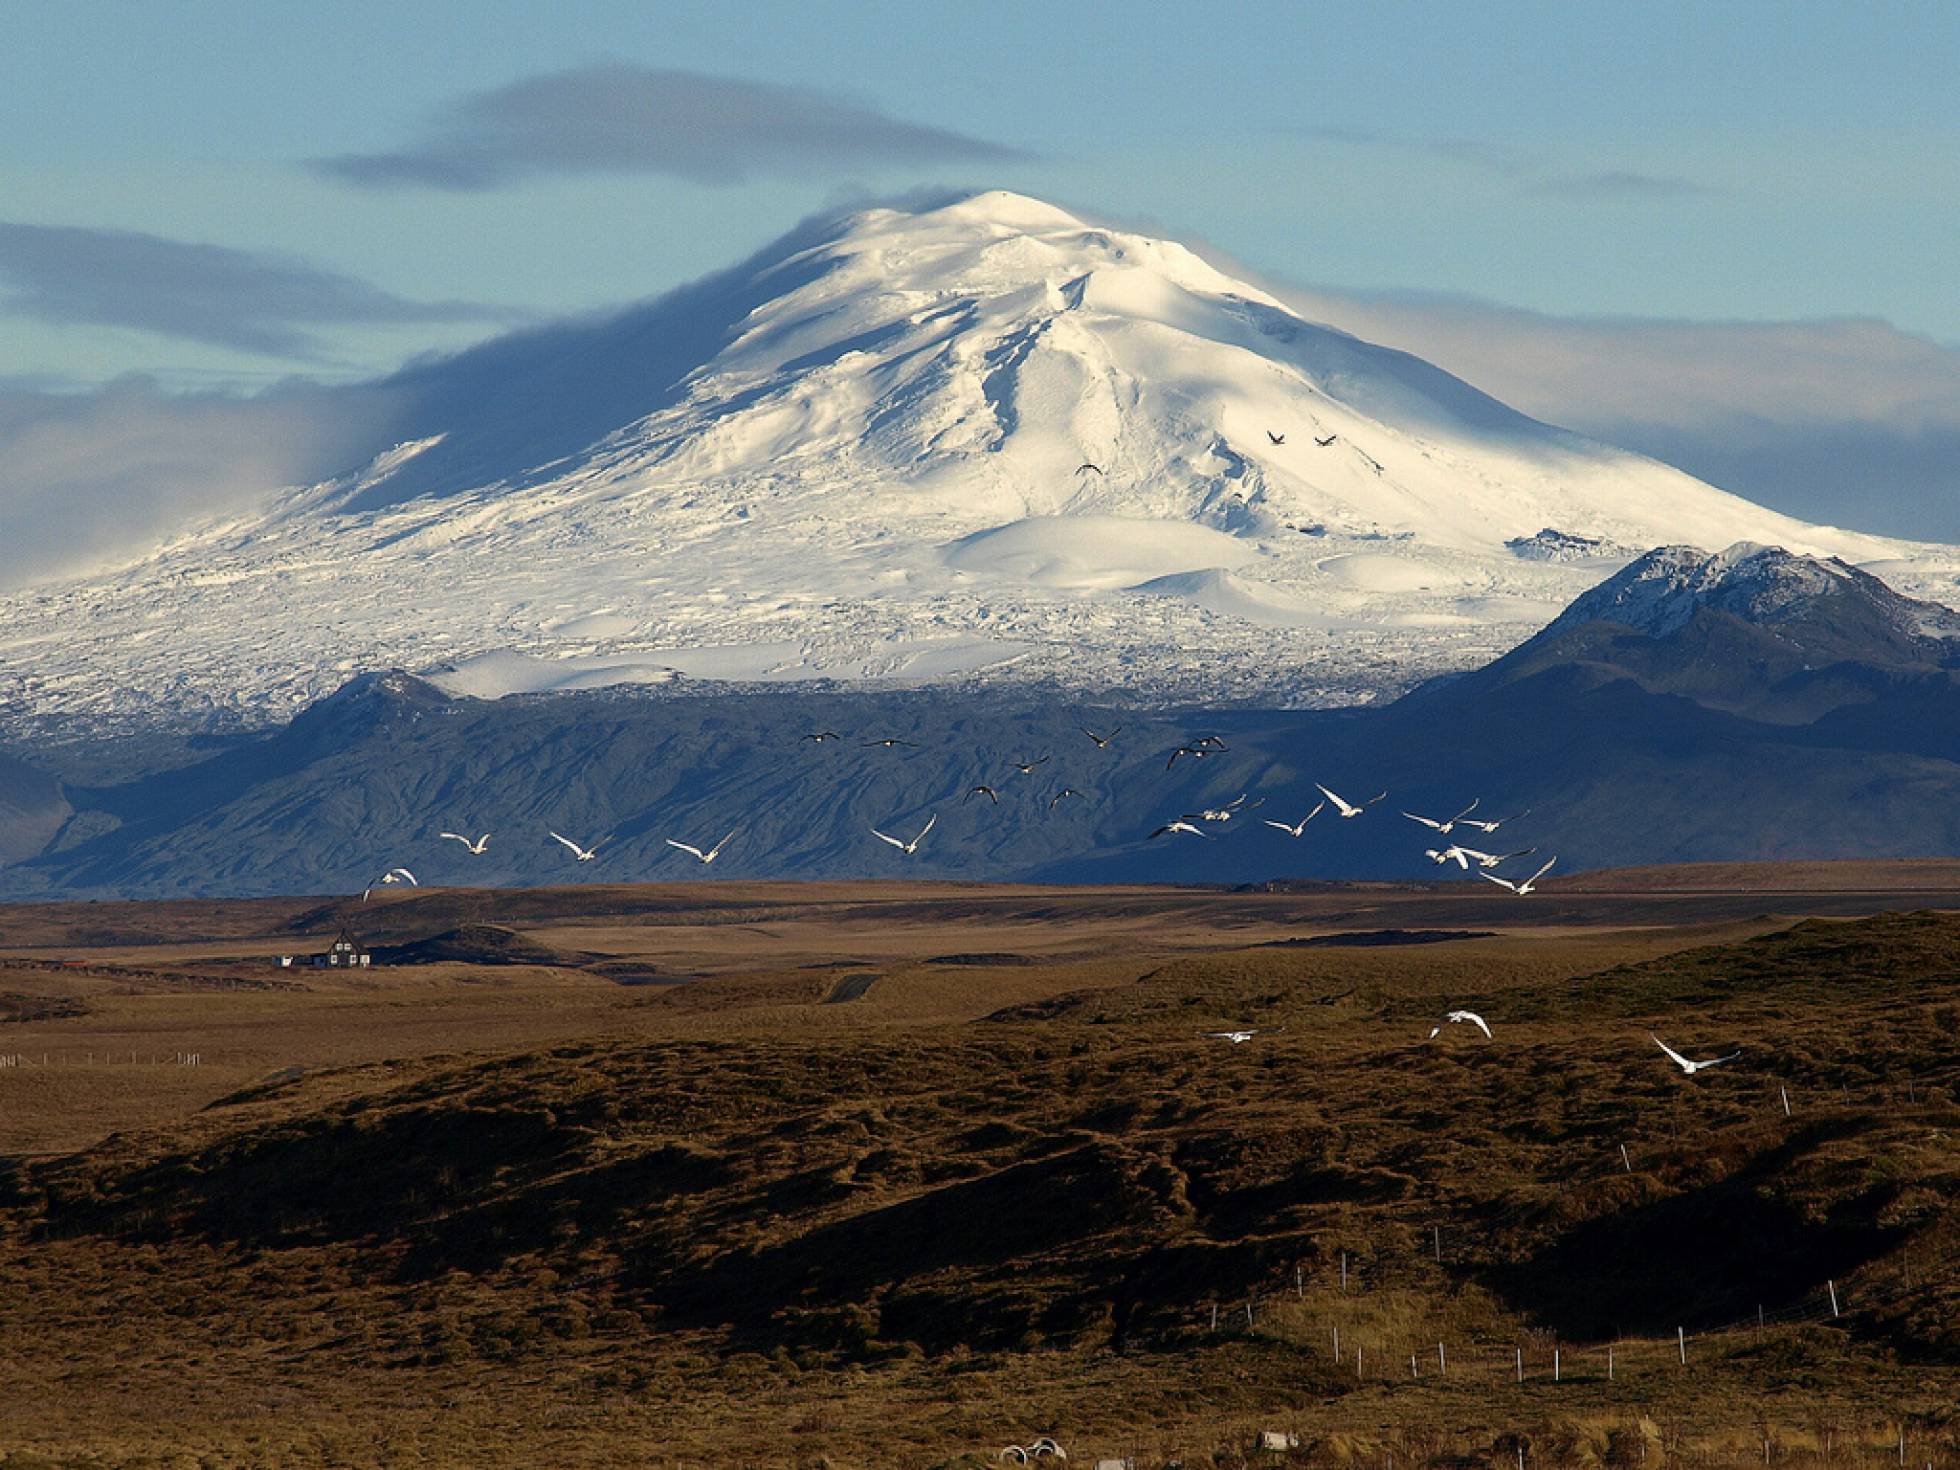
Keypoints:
pixel 1201 824
pixel 1192 823
pixel 1460 854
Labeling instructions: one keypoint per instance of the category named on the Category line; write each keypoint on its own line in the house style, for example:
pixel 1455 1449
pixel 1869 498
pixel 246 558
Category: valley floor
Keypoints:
pixel 870 1175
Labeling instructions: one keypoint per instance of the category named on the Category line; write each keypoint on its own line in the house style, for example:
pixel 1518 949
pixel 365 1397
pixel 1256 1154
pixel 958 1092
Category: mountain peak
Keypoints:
pixel 999 241
pixel 1004 209
pixel 1659 593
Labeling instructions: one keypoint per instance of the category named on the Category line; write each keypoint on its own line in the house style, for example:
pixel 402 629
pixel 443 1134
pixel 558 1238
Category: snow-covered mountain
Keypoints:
pixel 1661 591
pixel 984 439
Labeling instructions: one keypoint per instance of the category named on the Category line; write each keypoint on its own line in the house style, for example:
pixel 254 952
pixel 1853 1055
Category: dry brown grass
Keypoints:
pixel 522 1215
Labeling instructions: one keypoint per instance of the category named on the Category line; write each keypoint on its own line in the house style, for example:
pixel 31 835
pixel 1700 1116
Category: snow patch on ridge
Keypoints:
pixel 1090 553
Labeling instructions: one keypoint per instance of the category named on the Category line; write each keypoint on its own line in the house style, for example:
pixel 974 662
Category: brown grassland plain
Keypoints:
pixel 894 1175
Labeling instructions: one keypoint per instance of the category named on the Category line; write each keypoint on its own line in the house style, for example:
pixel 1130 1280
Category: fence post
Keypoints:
pixel 1786 1100
pixel 1681 1339
pixel 1442 1363
pixel 1343 1271
pixel 1555 1364
pixel 1624 1159
pixel 1214 1316
pixel 1521 1375
pixel 1831 1286
pixel 1337 1344
pixel 1609 1362
pixel 1438 1238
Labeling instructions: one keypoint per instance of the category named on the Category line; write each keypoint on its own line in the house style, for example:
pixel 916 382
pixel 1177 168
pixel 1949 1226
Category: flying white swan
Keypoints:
pixel 704 857
pixel 1226 812
pixel 1300 826
pixel 908 848
pixel 1687 1066
pixel 1345 808
pixel 1242 1035
pixel 1492 859
pixel 1520 889
pixel 1461 1017
pixel 475 847
pixel 583 854
pixel 1491 825
pixel 393 875
pixel 1172 828
pixel 1463 856
pixel 1448 824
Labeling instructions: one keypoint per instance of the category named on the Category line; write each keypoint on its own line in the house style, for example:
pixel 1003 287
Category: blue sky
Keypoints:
pixel 223 194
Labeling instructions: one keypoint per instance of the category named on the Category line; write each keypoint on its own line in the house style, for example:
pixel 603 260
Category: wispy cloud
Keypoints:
pixel 1490 157
pixel 1620 183
pixel 1846 421
pixel 98 474
pixel 1533 173
pixel 615 118
pixel 262 303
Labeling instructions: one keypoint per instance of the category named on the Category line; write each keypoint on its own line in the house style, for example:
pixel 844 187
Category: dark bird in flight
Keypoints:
pixel 986 791
pixel 889 743
pixel 822 735
pixel 1211 742
pixel 1276 438
pixel 1085 465
pixel 1027 768
pixel 1056 800
pixel 1323 443
pixel 1102 741
pixel 1190 750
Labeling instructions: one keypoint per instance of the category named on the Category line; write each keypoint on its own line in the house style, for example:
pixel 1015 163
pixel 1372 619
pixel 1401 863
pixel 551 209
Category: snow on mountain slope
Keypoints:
pixel 1768 586
pixel 987 425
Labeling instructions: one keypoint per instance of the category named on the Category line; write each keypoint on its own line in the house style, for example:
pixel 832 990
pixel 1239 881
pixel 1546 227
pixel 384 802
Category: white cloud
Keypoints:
pixel 1846 421
pixel 89 476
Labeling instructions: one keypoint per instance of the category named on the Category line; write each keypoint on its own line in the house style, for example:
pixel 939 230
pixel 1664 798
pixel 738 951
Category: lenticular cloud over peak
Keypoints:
pixel 615 118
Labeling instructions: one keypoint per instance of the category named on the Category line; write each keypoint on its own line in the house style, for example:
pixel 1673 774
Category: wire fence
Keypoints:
pixel 1328 1301
pixel 62 1060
